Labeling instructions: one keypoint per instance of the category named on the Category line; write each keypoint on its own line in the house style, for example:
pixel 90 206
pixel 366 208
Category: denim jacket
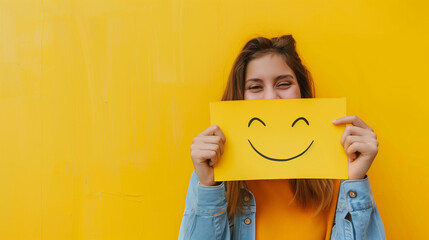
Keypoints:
pixel 205 215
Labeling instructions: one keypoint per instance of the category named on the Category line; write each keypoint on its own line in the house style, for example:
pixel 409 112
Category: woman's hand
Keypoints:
pixel 206 150
pixel 360 144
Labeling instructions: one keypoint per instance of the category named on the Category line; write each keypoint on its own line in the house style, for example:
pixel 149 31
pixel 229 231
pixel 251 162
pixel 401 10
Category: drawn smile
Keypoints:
pixel 279 159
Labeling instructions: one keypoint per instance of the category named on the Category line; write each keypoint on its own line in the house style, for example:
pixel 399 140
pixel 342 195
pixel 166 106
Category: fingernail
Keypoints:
pixel 334 121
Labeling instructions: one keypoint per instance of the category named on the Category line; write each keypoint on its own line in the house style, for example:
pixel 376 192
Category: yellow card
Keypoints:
pixel 280 139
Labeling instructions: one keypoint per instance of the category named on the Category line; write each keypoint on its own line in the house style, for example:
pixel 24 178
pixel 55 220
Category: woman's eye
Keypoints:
pixel 255 87
pixel 284 84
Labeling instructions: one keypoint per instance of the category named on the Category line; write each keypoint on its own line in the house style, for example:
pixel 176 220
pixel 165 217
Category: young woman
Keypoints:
pixel 287 208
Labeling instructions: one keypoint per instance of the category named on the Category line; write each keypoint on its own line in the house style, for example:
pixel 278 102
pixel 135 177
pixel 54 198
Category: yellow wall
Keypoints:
pixel 100 100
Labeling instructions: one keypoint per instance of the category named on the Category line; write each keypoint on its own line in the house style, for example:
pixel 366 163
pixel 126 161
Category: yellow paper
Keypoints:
pixel 281 138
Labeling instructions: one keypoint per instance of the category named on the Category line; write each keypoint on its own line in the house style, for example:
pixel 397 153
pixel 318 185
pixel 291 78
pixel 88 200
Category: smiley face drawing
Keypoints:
pixel 280 139
pixel 279 159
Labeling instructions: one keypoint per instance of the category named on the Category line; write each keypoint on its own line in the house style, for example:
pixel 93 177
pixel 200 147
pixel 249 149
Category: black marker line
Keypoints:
pixel 278 159
pixel 257 119
pixel 301 118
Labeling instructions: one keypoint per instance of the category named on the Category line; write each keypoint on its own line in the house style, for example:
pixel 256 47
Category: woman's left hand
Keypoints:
pixel 360 144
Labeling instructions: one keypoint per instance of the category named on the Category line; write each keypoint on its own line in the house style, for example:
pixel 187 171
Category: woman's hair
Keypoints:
pixel 308 192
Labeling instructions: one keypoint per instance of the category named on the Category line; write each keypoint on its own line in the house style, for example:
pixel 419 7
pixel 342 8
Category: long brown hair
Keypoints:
pixel 308 192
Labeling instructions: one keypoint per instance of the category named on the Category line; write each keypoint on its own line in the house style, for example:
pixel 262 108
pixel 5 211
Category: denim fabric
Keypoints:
pixel 205 215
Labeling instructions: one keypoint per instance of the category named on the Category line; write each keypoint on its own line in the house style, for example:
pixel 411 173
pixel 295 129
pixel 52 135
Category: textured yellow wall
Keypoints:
pixel 100 100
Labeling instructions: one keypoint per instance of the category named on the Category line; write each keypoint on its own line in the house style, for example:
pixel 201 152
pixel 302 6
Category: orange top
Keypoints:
pixel 277 219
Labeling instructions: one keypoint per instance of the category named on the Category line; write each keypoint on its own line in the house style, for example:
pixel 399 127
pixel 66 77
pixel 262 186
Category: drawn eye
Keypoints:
pixel 255 119
pixel 300 118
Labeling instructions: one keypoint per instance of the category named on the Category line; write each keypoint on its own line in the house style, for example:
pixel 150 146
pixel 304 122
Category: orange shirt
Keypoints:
pixel 277 219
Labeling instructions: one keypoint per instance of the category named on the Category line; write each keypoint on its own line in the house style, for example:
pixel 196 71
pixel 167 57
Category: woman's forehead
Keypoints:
pixel 269 66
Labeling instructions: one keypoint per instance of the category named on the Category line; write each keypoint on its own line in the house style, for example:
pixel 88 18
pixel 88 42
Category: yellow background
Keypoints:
pixel 100 100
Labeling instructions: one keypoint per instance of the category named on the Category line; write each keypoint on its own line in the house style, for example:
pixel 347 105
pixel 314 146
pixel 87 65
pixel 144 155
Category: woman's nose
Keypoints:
pixel 271 94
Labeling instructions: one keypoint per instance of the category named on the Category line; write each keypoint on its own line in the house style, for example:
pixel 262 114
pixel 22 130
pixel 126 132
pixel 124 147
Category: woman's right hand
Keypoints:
pixel 206 150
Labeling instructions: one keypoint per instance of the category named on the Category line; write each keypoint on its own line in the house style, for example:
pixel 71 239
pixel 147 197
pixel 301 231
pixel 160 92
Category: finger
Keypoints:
pixel 213 161
pixel 353 148
pixel 363 148
pixel 208 140
pixel 213 130
pixel 204 155
pixel 213 143
pixel 353 130
pixel 354 120
pixel 207 146
pixel 350 139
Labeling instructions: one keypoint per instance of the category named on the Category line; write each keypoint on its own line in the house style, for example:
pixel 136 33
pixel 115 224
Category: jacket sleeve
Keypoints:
pixel 205 215
pixel 357 216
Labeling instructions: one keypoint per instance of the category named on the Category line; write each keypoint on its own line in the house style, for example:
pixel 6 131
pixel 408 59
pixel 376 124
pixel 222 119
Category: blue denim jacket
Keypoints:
pixel 205 215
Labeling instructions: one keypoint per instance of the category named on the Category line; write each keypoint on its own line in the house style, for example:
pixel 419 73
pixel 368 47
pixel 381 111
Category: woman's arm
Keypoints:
pixel 357 215
pixel 205 215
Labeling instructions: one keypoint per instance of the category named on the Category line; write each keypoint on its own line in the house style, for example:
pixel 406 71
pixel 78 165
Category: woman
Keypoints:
pixel 287 209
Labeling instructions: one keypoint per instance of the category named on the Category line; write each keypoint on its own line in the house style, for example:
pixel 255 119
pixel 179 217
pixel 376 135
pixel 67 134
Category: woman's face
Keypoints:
pixel 269 77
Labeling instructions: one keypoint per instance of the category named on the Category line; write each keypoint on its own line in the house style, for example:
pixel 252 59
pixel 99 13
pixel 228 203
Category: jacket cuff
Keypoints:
pixel 355 195
pixel 211 199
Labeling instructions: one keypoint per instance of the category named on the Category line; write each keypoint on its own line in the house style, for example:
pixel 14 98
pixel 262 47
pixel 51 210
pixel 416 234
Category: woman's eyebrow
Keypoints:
pixel 253 80
pixel 279 77
pixel 283 76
